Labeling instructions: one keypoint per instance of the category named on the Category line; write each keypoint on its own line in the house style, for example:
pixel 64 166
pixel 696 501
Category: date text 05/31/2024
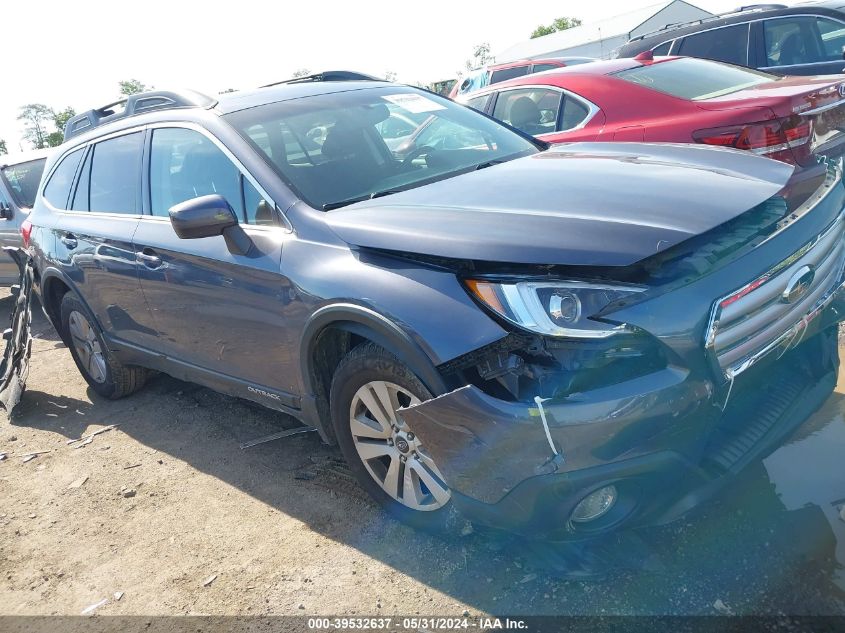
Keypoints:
pixel 417 623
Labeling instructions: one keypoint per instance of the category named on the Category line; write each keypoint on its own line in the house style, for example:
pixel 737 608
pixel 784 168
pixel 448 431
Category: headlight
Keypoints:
pixel 553 308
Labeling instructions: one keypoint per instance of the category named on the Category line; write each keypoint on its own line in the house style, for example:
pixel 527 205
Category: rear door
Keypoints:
pixel 547 112
pixel 94 243
pixel 802 45
pixel 214 310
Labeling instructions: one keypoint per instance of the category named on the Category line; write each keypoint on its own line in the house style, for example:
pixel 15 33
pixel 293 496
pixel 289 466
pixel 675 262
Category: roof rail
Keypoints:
pixel 680 25
pixel 135 104
pixel 327 75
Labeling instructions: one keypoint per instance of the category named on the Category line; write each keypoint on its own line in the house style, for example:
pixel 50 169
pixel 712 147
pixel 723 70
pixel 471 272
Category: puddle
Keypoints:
pixel 809 473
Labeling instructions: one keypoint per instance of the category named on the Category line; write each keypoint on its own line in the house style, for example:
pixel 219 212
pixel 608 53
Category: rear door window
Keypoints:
pixel 538 68
pixel 531 110
pixel 57 190
pixel 690 78
pixel 728 44
pixel 508 73
pixel 115 174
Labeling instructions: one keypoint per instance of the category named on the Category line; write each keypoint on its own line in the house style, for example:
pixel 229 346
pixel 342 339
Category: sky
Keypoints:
pixel 62 56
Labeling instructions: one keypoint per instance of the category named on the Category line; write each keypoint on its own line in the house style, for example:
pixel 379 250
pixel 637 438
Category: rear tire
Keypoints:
pixel 102 371
pixel 405 482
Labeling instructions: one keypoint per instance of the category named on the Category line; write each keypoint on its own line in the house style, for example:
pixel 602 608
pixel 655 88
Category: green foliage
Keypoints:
pixel 560 24
pixel 302 72
pixel 60 119
pixel 132 87
pixel 480 56
pixel 36 117
pixel 227 91
pixel 3 149
pixel 390 75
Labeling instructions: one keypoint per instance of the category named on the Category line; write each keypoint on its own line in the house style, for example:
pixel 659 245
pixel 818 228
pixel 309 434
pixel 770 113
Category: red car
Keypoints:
pixel 676 99
pixel 496 73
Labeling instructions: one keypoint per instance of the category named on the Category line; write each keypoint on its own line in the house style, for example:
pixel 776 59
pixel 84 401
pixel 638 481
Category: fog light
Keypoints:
pixel 595 505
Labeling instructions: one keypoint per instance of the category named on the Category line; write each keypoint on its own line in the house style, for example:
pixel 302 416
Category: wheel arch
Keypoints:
pixel 329 335
pixel 54 285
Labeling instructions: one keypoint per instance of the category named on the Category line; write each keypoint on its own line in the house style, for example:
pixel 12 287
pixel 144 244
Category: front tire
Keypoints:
pixel 387 459
pixel 102 371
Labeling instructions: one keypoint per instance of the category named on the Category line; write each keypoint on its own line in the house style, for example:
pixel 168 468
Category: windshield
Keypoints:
pixel 695 79
pixel 338 148
pixel 23 180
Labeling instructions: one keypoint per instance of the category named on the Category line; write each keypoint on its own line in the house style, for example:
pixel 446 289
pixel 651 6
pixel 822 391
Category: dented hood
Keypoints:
pixel 598 204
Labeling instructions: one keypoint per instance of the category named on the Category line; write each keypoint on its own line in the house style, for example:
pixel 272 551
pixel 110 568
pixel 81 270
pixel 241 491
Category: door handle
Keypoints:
pixel 69 240
pixel 148 258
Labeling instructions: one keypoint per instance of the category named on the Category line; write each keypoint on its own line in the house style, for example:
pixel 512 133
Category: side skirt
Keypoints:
pixel 223 383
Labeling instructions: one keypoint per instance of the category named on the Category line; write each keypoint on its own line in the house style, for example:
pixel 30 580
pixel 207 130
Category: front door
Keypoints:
pixel 214 309
pixel 803 45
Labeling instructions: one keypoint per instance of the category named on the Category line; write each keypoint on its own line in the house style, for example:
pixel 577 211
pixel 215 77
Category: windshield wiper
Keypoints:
pixel 490 163
pixel 342 203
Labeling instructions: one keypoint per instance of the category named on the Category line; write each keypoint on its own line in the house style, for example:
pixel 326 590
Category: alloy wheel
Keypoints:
pixel 87 346
pixel 390 451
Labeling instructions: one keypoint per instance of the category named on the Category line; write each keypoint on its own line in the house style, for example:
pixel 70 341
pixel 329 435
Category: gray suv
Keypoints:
pixel 553 340
pixel 19 178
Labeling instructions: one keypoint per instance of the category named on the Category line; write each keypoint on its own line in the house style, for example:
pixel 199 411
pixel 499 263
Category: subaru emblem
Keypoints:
pixel 798 284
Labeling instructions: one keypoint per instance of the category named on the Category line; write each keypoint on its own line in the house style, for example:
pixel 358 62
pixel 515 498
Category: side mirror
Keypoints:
pixel 205 216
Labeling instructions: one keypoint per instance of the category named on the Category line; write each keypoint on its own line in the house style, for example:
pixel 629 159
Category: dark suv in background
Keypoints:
pixel 804 39
pixel 557 341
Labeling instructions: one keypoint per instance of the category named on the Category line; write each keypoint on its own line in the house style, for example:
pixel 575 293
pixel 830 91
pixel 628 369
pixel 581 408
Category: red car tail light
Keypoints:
pixel 785 139
pixel 26 232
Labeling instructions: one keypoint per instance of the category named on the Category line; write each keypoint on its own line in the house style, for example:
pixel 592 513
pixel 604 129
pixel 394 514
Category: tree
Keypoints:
pixel 480 56
pixel 132 87
pixel 60 119
pixel 36 118
pixel 302 72
pixel 560 24
pixel 227 91
pixel 389 75
pixel 3 149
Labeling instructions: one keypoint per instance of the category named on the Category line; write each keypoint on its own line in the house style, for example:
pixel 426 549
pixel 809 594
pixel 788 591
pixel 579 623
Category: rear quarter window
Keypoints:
pixel 694 79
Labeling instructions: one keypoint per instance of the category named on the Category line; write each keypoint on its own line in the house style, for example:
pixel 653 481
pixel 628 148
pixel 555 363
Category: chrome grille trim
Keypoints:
pixel 757 321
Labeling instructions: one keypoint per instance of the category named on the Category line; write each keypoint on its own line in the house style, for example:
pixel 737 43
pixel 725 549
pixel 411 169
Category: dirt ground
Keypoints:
pixel 168 513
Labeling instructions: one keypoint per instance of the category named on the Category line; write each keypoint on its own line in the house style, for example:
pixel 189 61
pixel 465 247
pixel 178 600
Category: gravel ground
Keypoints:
pixel 168 513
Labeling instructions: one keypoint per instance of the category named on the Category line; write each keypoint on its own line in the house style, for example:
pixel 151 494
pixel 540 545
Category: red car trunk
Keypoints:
pixel 792 119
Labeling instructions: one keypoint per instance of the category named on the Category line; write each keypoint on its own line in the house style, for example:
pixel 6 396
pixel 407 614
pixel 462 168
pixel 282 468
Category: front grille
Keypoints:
pixel 755 319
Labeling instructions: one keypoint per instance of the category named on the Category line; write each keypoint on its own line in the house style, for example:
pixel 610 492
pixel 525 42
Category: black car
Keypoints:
pixel 557 341
pixel 805 39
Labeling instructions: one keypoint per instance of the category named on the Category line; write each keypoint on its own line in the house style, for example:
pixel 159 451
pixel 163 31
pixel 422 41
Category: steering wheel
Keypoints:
pixel 416 153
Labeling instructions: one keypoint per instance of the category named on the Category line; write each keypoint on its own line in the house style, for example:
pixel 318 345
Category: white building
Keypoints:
pixel 601 39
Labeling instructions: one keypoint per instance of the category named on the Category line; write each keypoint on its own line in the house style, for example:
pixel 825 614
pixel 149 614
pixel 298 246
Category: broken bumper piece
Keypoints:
pixel 662 440
pixel 14 368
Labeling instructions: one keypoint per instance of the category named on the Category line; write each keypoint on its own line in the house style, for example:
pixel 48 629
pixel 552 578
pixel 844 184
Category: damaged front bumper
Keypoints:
pixel 665 440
